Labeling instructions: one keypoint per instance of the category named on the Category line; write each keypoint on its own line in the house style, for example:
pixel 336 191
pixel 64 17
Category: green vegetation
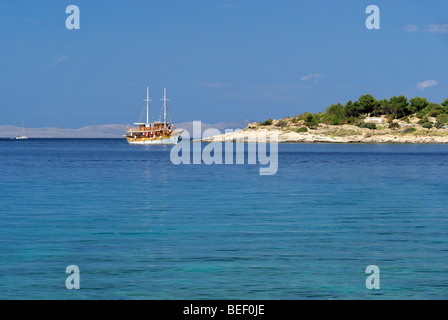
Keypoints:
pixel 442 118
pixel 438 125
pixel 397 107
pixel 311 120
pixel 267 122
pixel 409 130
pixel 425 123
pixel 302 129
pixel 362 124
pixel 281 123
pixel 394 125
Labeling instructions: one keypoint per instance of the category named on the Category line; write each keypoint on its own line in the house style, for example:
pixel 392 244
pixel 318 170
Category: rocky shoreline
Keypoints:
pixel 335 134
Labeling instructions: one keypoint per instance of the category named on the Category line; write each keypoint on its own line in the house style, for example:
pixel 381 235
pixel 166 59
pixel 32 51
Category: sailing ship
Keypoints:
pixel 157 132
pixel 22 137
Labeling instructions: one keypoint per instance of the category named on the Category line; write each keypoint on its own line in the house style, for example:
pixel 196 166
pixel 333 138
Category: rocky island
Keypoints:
pixel 368 120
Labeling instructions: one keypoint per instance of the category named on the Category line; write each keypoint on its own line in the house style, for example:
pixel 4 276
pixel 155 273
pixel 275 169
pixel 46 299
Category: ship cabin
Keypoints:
pixel 153 130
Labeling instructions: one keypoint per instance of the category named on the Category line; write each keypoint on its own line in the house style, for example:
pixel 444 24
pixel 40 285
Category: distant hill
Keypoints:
pixel 97 131
pixel 104 131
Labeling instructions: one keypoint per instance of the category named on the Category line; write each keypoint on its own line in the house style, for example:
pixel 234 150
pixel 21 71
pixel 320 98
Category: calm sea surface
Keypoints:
pixel 139 227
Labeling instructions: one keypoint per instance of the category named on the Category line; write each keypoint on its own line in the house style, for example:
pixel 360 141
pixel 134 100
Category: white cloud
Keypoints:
pixel 438 28
pixel 312 77
pixel 58 61
pixel 411 28
pixel 426 84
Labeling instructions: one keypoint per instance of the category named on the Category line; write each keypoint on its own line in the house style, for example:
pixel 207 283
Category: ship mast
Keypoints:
pixel 26 131
pixel 164 106
pixel 147 106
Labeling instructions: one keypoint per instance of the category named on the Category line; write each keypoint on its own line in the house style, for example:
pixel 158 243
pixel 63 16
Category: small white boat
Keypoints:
pixel 20 138
pixel 23 137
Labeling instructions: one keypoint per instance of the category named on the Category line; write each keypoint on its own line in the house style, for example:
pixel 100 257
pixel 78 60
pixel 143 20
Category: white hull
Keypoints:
pixel 167 141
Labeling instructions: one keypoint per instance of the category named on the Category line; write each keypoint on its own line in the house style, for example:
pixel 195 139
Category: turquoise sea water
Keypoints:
pixel 139 227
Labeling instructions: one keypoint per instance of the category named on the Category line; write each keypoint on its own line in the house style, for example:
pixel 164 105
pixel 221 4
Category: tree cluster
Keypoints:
pixel 394 108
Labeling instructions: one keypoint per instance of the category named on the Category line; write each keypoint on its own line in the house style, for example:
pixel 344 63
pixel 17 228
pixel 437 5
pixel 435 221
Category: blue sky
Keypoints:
pixel 220 60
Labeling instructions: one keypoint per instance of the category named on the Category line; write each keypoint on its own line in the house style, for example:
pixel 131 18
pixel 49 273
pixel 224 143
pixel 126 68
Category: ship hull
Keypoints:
pixel 172 140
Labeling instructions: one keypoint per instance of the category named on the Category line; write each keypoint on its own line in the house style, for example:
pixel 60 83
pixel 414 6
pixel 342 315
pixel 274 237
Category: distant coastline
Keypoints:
pixel 111 131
